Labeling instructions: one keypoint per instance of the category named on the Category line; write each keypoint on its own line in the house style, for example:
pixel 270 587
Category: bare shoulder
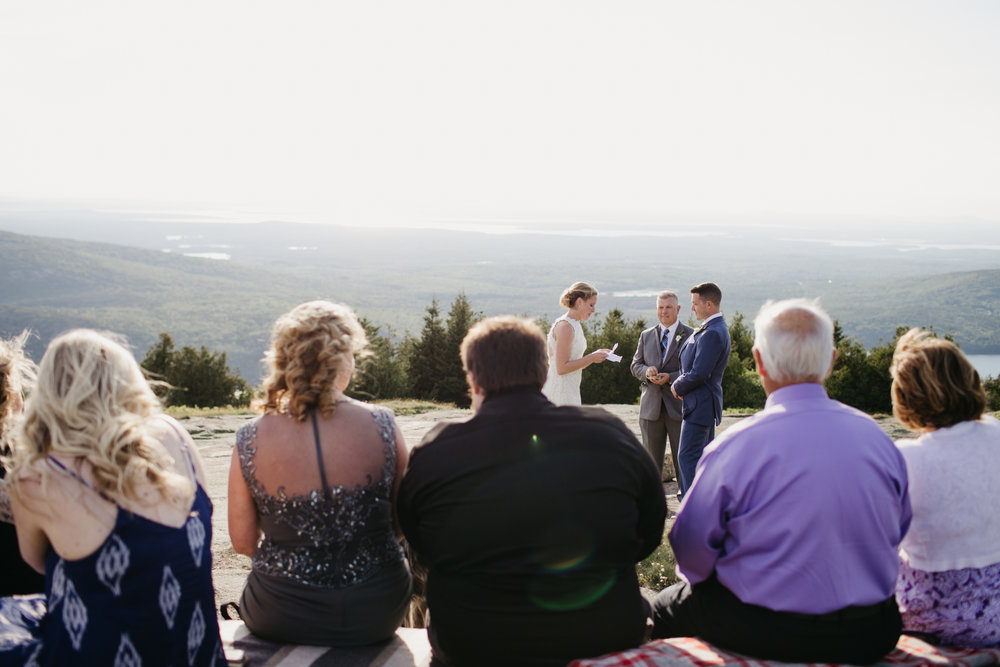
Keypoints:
pixel 562 327
pixel 166 429
pixel 29 482
pixel 356 408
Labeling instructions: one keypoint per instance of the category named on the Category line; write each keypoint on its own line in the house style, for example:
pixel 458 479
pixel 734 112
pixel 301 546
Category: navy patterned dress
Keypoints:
pixel 144 597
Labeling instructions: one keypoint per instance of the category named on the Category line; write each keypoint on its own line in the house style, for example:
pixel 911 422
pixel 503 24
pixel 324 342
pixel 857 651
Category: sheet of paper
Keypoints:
pixel 614 357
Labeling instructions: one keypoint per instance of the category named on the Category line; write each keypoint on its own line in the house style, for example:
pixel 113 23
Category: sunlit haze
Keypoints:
pixel 505 113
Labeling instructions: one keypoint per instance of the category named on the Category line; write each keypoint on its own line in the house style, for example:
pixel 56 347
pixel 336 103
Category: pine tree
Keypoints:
pixel 451 386
pixel 611 382
pixel 380 374
pixel 426 357
pixel 194 377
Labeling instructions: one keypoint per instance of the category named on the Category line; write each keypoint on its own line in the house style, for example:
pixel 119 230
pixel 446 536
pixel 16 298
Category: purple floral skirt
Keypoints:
pixel 961 607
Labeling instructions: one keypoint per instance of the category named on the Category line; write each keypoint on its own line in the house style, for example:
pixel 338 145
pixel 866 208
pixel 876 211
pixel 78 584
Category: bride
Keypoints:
pixel 566 345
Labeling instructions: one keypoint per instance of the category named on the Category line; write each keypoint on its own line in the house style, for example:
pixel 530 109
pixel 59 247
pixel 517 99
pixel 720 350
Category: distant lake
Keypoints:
pixel 988 365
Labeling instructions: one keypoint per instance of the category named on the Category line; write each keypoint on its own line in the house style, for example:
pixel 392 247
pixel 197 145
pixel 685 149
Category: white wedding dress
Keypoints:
pixel 565 389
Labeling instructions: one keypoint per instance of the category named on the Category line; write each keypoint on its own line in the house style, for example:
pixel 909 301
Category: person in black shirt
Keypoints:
pixel 529 517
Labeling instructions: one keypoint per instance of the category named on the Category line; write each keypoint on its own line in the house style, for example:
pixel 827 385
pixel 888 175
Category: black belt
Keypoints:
pixel 850 613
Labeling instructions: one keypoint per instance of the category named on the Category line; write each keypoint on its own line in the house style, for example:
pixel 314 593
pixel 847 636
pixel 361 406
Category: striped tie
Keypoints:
pixel 664 344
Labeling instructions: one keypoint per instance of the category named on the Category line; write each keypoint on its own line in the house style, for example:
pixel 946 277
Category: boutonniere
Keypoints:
pixel 678 337
pixel 702 327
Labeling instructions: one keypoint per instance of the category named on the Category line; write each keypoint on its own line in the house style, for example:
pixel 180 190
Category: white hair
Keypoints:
pixel 667 294
pixel 794 338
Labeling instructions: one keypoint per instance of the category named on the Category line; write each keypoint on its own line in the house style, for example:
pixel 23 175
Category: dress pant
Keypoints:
pixel 694 437
pixel 655 433
pixel 709 610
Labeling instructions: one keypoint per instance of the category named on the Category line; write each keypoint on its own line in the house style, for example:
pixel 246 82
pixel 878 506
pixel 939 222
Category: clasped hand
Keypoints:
pixel 656 377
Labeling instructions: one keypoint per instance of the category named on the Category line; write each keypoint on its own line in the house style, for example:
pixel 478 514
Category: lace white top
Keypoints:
pixel 953 474
pixel 565 389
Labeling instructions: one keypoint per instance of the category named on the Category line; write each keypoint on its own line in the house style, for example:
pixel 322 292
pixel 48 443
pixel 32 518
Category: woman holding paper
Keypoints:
pixel 566 345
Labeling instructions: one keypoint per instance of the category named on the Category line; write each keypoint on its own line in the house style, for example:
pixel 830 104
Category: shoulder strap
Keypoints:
pixel 59 464
pixel 184 446
pixel 319 456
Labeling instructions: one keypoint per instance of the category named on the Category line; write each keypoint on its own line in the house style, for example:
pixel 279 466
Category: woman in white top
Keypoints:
pixel 949 576
pixel 566 345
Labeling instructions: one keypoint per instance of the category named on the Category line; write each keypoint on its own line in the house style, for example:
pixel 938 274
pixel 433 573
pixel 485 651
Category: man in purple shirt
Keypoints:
pixel 788 536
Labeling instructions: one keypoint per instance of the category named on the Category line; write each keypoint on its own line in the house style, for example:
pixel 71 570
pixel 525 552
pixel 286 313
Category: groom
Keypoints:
pixel 656 363
pixel 703 361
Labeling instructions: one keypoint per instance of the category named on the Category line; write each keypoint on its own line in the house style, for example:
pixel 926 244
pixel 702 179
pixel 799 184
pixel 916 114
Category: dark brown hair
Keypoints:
pixel 505 352
pixel 933 384
pixel 708 292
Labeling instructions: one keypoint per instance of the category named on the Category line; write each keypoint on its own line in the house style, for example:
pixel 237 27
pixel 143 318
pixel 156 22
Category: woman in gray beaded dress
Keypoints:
pixel 312 490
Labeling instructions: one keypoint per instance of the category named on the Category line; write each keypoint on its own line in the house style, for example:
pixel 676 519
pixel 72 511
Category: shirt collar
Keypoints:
pixel 711 317
pixel 802 391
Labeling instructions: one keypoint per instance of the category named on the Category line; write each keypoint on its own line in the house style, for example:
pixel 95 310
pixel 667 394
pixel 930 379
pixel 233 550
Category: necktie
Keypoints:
pixel 664 344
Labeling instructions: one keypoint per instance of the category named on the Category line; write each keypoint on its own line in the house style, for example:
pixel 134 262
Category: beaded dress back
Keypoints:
pixel 330 537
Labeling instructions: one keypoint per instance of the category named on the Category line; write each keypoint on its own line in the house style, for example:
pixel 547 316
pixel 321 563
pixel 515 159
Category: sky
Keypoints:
pixel 397 111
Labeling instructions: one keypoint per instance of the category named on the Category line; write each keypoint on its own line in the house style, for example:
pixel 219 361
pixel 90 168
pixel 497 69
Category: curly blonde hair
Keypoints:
pixel 17 372
pixel 311 345
pixel 933 384
pixel 92 403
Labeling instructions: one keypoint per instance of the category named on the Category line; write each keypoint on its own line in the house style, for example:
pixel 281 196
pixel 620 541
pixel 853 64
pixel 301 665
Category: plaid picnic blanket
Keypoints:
pixel 408 648
pixel 690 651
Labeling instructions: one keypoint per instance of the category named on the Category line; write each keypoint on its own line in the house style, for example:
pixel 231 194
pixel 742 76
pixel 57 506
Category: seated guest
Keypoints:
pixel 787 538
pixel 529 517
pixel 16 576
pixel 949 577
pixel 109 501
pixel 312 487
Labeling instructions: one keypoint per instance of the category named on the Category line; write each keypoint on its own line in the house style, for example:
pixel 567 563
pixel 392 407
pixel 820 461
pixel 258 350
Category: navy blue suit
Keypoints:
pixel 703 361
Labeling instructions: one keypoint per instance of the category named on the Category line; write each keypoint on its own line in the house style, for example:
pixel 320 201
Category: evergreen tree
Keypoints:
pixel 452 386
pixel 992 387
pixel 381 373
pixel 611 382
pixel 157 365
pixel 741 386
pixel 426 357
pixel 861 378
pixel 194 377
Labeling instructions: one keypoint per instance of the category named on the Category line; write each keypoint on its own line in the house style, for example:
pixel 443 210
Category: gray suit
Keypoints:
pixel 659 412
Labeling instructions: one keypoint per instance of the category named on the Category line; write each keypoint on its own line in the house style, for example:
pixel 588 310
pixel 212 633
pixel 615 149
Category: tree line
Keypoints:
pixel 428 366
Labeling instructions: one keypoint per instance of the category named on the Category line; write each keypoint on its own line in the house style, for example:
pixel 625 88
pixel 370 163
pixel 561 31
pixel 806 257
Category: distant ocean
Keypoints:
pixel 988 365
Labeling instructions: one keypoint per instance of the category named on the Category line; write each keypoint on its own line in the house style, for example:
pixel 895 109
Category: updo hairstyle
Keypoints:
pixel 933 384
pixel 576 291
pixel 92 402
pixel 311 345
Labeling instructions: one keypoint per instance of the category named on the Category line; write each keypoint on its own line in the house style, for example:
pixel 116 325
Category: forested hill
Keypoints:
pixel 50 285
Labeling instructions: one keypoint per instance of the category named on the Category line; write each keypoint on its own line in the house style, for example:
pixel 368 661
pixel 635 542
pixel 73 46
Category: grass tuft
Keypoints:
pixel 658 570
pixel 412 406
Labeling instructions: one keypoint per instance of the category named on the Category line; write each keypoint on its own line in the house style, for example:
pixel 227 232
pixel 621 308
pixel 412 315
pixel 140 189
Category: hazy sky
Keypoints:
pixel 406 109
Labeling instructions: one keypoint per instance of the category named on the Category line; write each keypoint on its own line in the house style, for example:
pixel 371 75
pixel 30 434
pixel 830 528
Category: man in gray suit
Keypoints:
pixel 656 364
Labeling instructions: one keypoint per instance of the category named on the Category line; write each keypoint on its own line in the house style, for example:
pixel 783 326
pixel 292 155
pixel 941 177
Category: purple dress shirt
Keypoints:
pixel 799 508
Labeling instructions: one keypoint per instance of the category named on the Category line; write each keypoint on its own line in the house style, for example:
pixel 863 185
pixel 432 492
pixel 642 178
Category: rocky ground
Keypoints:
pixel 215 437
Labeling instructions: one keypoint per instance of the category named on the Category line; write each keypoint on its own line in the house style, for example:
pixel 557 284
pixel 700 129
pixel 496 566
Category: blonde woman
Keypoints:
pixel 16 372
pixel 109 501
pixel 949 574
pixel 312 492
pixel 566 346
